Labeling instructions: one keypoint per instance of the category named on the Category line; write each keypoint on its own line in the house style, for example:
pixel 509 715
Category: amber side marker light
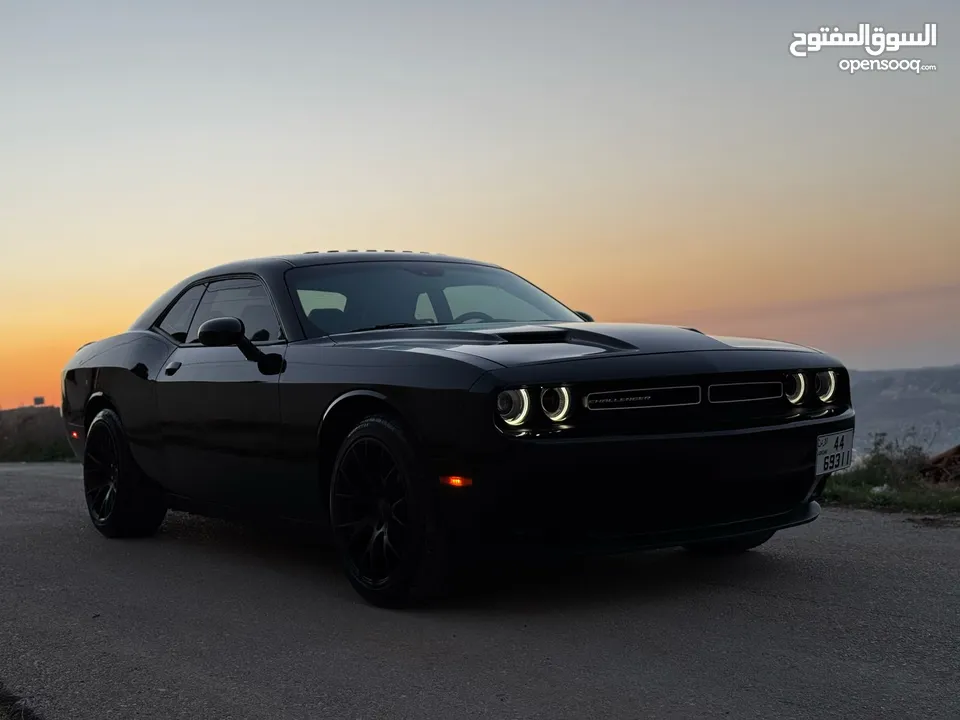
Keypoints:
pixel 456 481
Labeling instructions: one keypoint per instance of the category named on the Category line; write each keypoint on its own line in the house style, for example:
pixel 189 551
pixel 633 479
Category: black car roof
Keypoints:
pixel 327 257
pixel 279 263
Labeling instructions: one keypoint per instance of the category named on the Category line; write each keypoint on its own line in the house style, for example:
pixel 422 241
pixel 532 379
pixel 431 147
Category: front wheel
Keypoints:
pixel 731 546
pixel 121 501
pixel 382 518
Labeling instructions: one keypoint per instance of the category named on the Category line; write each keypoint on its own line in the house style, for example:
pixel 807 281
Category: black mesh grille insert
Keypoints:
pixel 744 392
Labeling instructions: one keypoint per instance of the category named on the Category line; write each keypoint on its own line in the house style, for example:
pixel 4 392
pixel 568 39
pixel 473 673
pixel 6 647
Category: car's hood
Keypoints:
pixel 512 345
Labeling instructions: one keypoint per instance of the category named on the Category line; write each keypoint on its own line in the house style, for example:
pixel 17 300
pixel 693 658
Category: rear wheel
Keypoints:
pixel 120 500
pixel 731 546
pixel 382 517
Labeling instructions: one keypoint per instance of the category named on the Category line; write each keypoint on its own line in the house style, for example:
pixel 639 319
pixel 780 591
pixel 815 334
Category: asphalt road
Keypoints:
pixel 855 616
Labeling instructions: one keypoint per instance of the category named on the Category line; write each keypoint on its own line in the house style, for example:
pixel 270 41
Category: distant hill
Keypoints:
pixel 923 400
pixel 926 400
pixel 33 433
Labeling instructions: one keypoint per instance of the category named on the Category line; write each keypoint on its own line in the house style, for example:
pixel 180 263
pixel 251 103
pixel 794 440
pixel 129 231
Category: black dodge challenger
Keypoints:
pixel 411 403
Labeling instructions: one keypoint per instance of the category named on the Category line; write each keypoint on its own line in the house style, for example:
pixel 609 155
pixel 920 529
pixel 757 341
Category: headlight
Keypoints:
pixel 555 403
pixel 513 406
pixel 795 387
pixel 826 385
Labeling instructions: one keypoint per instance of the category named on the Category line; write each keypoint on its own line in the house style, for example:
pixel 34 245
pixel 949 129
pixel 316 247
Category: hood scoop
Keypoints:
pixel 540 335
pixel 532 335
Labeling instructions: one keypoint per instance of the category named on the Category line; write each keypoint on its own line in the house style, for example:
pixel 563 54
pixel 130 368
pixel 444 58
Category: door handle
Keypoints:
pixel 172 367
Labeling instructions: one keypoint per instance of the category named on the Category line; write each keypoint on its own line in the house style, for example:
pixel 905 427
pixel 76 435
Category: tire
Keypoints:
pixel 731 546
pixel 121 501
pixel 383 519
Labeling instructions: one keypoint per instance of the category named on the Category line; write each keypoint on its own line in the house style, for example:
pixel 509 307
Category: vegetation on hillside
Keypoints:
pixel 894 474
pixel 33 434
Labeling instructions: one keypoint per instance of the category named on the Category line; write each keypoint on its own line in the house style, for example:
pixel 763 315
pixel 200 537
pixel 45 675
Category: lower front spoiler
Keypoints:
pixel 607 545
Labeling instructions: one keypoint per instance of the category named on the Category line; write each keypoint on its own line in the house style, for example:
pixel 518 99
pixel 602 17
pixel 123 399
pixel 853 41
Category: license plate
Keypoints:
pixel 834 452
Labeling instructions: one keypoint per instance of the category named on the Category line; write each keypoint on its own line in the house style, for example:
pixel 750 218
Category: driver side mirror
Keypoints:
pixel 229 332
pixel 221 332
pixel 586 316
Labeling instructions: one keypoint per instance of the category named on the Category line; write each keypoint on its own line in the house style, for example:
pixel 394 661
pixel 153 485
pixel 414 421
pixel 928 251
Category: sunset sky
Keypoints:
pixel 645 162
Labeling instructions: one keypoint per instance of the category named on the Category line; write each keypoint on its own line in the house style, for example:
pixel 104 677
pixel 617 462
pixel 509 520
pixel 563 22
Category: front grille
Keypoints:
pixel 744 392
pixel 639 398
pixel 727 401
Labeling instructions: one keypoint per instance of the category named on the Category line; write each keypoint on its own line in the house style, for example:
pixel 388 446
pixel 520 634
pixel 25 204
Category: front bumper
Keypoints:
pixel 804 513
pixel 642 491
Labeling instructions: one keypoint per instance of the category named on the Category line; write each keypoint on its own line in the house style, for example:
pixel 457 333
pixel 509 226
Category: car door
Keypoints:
pixel 220 412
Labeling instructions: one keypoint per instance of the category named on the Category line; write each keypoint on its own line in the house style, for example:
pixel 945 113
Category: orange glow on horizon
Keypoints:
pixel 31 365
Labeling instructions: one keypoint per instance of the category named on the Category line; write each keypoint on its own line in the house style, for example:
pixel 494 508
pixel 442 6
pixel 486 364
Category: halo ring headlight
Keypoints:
pixel 513 406
pixel 826 385
pixel 555 403
pixel 799 388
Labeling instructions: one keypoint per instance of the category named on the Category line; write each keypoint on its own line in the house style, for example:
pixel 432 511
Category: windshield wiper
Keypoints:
pixel 392 326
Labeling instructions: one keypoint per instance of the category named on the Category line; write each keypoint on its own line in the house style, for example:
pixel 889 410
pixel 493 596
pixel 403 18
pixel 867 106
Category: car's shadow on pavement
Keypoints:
pixel 533 582
pixel 503 580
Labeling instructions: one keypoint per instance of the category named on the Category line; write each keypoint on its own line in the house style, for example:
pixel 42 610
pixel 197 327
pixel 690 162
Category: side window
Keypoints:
pixel 490 300
pixel 176 321
pixel 244 299
pixel 424 309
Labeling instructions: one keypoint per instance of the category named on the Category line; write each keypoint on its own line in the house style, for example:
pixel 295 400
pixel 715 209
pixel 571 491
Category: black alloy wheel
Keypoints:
pixel 381 518
pixel 101 471
pixel 122 502
pixel 373 522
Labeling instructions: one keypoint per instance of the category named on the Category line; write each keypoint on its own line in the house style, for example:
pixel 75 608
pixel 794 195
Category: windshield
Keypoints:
pixel 352 296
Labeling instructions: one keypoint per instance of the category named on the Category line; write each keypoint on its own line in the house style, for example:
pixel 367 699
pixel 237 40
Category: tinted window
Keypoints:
pixel 424 309
pixel 321 300
pixel 489 300
pixel 244 299
pixel 420 292
pixel 176 322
